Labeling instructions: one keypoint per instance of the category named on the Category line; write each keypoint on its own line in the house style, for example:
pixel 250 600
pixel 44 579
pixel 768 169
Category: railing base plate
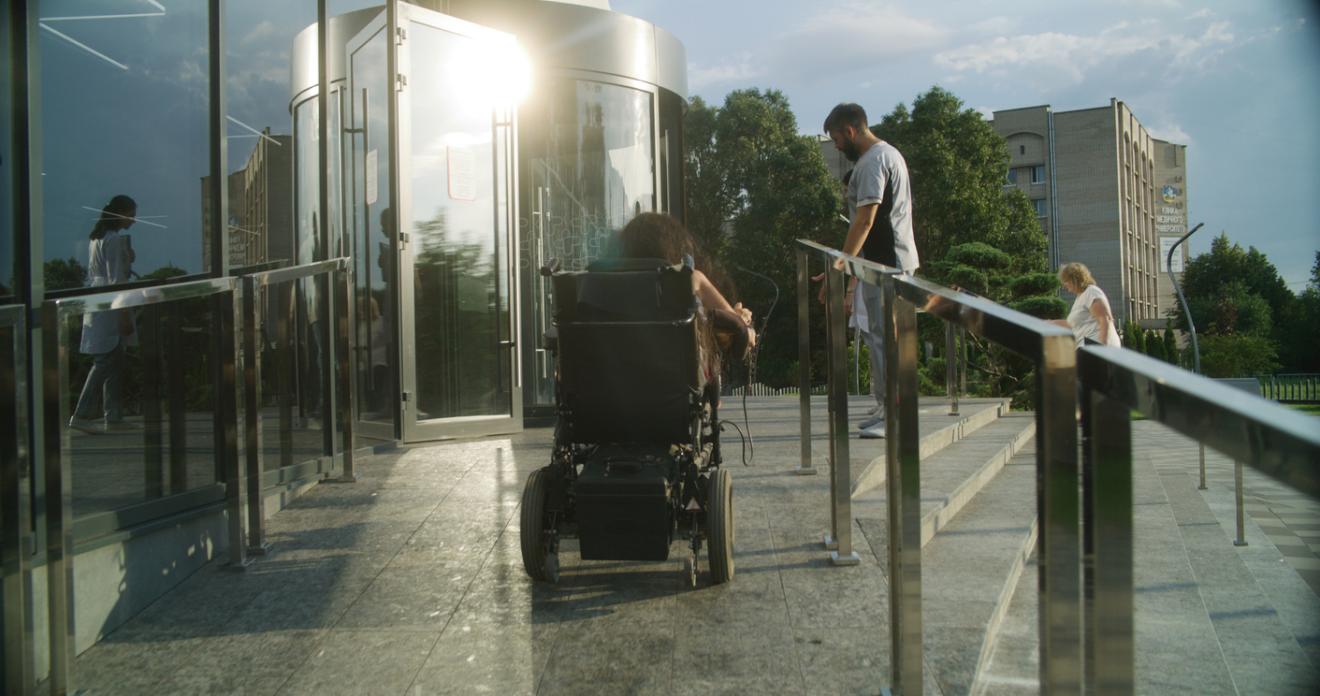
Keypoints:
pixel 851 559
pixel 831 544
pixel 805 471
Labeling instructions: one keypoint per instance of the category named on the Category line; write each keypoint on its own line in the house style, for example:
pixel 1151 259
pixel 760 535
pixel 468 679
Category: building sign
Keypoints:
pixel 1166 243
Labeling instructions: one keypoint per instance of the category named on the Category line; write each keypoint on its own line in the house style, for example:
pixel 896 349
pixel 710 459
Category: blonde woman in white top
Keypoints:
pixel 1090 316
pixel 109 262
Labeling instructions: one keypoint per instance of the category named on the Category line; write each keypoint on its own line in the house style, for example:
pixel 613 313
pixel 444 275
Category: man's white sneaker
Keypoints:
pixel 86 425
pixel 871 422
pixel 875 432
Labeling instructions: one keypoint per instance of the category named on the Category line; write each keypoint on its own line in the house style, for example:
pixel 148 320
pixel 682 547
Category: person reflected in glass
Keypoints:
pixel 1090 317
pixel 105 334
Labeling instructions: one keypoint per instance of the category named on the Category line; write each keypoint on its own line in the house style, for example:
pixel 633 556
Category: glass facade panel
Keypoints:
pixel 458 311
pixel 589 168
pixel 124 113
pixel 142 414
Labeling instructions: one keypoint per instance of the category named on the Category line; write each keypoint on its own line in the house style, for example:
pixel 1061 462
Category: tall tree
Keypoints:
pixel 957 161
pixel 1241 305
pixel 755 185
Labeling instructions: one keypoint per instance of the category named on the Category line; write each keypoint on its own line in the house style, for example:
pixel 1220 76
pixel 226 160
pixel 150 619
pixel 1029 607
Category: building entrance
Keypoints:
pixel 428 169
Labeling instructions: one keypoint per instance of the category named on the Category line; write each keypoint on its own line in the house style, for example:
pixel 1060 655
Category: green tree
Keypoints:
pixel 755 186
pixel 165 272
pixel 957 161
pixel 1301 334
pixel 970 231
pixel 1242 308
pixel 1171 352
pixel 61 274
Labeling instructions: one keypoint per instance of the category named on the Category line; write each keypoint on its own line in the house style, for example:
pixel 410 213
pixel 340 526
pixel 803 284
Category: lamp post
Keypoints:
pixel 1191 326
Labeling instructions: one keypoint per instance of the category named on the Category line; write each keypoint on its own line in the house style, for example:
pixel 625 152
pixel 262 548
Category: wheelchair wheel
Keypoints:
pixel 539 564
pixel 719 525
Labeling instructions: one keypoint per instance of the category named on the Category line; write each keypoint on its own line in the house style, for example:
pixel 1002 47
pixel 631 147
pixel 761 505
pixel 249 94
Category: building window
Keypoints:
pixel 1022 149
pixel 1038 174
pixel 1040 207
pixel 1011 177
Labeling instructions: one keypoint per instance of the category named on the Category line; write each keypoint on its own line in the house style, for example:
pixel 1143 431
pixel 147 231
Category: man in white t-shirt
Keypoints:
pixel 880 220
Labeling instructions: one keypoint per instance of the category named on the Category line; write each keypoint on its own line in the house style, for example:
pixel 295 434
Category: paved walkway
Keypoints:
pixel 410 582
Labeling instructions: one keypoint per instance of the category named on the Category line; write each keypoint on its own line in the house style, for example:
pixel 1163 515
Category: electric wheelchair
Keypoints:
pixel 636 458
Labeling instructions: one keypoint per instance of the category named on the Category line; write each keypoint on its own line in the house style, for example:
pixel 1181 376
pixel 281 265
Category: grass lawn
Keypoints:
pixel 1308 409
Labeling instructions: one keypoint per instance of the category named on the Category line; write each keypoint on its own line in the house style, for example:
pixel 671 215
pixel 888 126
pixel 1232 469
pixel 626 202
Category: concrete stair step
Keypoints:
pixel 953 475
pixel 1203 623
pixel 939 430
pixel 969 571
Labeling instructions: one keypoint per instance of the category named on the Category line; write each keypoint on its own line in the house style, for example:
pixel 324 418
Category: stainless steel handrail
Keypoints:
pixel 1273 439
pixel 58 462
pixel 16 538
pixel 251 365
pixel 1051 348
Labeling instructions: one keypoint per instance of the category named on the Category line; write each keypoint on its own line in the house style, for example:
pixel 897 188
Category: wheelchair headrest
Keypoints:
pixel 619 289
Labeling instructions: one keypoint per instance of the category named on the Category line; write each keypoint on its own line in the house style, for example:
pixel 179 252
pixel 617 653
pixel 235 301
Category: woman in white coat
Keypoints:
pixel 105 334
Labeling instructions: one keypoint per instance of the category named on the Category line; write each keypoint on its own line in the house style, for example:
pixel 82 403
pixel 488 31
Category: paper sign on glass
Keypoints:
pixel 462 173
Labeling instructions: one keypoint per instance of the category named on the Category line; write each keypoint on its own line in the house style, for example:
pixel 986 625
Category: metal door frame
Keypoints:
pixel 388 430
pixel 463 426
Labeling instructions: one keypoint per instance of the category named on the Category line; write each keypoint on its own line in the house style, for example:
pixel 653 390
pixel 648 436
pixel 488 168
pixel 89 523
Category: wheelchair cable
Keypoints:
pixel 752 356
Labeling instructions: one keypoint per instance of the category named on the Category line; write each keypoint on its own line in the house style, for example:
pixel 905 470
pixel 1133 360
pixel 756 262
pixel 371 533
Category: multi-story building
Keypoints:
pixel 1106 192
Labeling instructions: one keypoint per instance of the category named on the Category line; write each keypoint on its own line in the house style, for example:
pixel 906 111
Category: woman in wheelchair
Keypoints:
pixel 636 456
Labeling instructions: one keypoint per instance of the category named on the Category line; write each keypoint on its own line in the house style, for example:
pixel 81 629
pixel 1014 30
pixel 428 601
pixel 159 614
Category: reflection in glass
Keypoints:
pixel 591 164
pixel 124 111
pixel 164 440
pixel 458 261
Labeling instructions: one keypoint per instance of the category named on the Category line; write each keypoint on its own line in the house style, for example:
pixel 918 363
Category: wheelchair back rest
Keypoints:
pixel 628 366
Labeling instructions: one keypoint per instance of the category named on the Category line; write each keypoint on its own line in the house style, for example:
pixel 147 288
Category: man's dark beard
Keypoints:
pixel 851 152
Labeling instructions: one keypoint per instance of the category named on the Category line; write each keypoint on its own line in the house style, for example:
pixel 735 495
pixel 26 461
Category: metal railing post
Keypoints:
pixel 59 496
pixel 951 367
pixel 903 489
pixel 228 437
pixel 16 540
pixel 1241 539
pixel 805 465
pixel 840 464
pixel 253 440
pixel 831 423
pixel 1057 512
pixel 1107 521
pixel 345 397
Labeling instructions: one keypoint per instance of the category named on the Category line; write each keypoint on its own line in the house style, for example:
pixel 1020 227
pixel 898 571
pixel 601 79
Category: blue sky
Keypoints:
pixel 1236 81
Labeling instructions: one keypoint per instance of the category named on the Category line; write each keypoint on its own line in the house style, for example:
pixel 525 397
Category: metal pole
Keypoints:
pixel 1191 328
pixel 16 509
pixel 1107 482
pixel 805 465
pixel 1058 543
pixel 1241 539
pixel 832 423
pixel 346 396
pixel 59 496
pixel 253 440
pixel 951 368
pixel 841 490
pixel 903 489
pixel 228 323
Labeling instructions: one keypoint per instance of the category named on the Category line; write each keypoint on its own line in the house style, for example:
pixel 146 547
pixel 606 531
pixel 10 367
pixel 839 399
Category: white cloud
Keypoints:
pixel 737 70
pixel 1170 132
pixel 851 37
pixel 996 25
pixel 1073 56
